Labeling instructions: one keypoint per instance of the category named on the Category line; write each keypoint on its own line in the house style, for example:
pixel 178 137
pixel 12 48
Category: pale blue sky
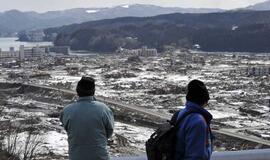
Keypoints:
pixel 46 5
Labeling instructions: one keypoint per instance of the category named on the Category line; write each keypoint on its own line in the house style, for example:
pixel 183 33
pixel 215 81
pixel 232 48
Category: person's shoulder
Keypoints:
pixel 69 107
pixel 101 104
pixel 196 119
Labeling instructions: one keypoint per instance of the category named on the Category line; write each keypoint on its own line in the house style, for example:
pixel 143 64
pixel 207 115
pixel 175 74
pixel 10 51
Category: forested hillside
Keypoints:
pixel 243 31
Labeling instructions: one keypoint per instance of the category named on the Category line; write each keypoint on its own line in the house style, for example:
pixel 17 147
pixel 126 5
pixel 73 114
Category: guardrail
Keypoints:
pixel 257 154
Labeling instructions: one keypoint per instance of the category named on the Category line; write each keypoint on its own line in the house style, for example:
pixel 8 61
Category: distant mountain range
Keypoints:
pixel 14 20
pixel 235 31
pixel 260 6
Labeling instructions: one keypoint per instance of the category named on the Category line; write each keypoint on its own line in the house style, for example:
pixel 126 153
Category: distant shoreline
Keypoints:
pixel 7 42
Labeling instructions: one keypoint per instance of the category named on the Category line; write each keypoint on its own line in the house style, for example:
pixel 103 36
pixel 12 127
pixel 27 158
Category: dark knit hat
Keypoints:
pixel 86 87
pixel 197 92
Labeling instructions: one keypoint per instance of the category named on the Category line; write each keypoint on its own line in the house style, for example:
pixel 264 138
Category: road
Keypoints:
pixel 244 137
pixel 247 128
pixel 128 107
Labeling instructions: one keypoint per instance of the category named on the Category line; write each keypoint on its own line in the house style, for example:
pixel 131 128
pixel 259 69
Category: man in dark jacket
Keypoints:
pixel 194 137
pixel 88 123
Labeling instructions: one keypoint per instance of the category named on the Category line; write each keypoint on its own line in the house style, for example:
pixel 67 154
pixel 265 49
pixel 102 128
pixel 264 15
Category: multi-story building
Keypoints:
pixel 147 52
pixel 9 54
pixel 33 52
pixel 21 52
pixel 144 51
pixel 258 71
pixel 12 52
pixel 29 52
pixel 38 51
pixel 60 49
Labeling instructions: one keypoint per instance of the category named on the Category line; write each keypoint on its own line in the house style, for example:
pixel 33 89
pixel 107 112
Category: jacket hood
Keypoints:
pixel 193 107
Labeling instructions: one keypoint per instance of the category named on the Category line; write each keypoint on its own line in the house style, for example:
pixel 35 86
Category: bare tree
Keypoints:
pixel 31 145
pixel 25 148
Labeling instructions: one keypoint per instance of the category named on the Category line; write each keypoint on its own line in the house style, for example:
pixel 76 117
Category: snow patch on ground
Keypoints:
pixel 219 114
pixel 133 79
pixel 92 11
pixel 149 76
pixel 64 78
pixel 125 6
pixel 56 142
pixel 239 123
pixel 179 78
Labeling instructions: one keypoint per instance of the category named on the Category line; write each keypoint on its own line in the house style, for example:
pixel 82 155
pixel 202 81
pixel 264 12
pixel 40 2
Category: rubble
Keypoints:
pixel 158 84
pixel 135 59
pixel 117 75
pixel 168 89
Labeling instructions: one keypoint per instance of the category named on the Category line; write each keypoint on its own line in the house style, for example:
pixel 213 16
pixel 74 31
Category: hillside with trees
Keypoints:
pixel 234 31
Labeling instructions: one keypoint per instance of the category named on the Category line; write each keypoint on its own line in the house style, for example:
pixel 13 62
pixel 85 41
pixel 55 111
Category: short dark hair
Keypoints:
pixel 197 92
pixel 86 87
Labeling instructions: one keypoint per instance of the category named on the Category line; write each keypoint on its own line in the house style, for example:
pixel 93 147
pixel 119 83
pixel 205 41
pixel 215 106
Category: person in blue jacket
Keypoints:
pixel 194 139
pixel 88 123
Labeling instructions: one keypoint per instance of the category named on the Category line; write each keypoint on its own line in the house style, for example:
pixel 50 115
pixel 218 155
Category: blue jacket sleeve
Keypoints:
pixel 196 139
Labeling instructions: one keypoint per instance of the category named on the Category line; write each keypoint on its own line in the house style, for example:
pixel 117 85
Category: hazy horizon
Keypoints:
pixel 46 5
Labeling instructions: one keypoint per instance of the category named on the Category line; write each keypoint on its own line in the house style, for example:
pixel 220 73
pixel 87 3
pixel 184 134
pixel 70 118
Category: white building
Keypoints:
pixel 147 52
pixel 32 52
pixel 9 54
pixel 144 52
pixel 38 51
pixel 23 52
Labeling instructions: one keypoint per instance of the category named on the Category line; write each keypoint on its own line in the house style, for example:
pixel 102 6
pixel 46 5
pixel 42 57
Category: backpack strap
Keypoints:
pixel 176 122
pixel 174 118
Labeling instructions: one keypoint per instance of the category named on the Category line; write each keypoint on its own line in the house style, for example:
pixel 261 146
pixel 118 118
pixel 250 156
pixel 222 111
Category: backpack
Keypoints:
pixel 160 145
